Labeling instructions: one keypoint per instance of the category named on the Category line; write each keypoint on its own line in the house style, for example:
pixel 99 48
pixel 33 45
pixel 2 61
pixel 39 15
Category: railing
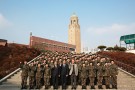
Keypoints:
pixel 130 69
pixel 127 72
pixel 15 71
pixel 126 67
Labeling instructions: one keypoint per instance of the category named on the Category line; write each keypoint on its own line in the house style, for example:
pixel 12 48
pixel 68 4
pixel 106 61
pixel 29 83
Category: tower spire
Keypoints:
pixel 74 14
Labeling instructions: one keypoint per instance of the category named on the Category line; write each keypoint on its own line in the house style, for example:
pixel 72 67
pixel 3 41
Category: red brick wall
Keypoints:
pixel 51 44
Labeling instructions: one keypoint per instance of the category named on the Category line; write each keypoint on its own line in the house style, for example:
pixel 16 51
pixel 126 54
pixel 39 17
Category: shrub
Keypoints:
pixel 11 56
pixel 102 47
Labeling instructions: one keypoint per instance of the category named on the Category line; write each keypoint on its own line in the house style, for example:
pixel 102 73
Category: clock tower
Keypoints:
pixel 74 36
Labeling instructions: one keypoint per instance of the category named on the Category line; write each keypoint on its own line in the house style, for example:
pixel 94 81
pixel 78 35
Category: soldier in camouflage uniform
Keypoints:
pixel 32 69
pixel 42 73
pixel 106 69
pixel 83 76
pixel 114 73
pixel 38 76
pixel 99 75
pixel 92 75
pixel 47 76
pixel 24 74
pixel 35 65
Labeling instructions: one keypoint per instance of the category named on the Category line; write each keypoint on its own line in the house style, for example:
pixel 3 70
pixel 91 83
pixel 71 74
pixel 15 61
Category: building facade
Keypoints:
pixel 51 45
pixel 74 36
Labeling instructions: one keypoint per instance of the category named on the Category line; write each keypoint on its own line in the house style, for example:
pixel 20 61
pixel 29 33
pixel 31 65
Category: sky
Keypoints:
pixel 102 22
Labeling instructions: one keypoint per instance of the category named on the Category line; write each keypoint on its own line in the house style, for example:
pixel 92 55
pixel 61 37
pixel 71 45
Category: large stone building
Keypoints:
pixel 51 45
pixel 74 36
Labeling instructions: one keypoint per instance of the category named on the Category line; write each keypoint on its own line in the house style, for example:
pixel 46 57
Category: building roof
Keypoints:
pixel 128 39
pixel 44 40
pixel 3 40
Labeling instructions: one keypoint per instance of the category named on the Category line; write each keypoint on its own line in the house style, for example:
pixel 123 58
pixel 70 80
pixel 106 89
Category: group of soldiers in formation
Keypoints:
pixel 55 68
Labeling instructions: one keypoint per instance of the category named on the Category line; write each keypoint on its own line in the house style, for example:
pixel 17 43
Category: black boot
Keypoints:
pixel 107 87
pixel 92 87
pixel 115 86
pixel 100 86
pixel 29 87
pixel 32 87
pixel 25 87
pixel 45 87
pixel 37 87
pixel 83 87
pixel 22 87
pixel 64 87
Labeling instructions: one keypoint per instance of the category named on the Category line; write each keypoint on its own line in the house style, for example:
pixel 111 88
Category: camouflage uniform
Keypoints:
pixel 38 77
pixel 114 73
pixel 106 69
pixel 79 72
pixel 47 76
pixel 92 75
pixel 83 76
pixel 100 76
pixel 42 74
pixel 31 76
pixel 24 74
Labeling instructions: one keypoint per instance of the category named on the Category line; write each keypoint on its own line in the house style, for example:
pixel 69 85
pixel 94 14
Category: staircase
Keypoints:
pixel 13 83
pixel 125 82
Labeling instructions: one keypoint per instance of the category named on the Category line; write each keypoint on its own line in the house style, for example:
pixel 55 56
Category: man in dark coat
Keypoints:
pixel 55 75
pixel 64 74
